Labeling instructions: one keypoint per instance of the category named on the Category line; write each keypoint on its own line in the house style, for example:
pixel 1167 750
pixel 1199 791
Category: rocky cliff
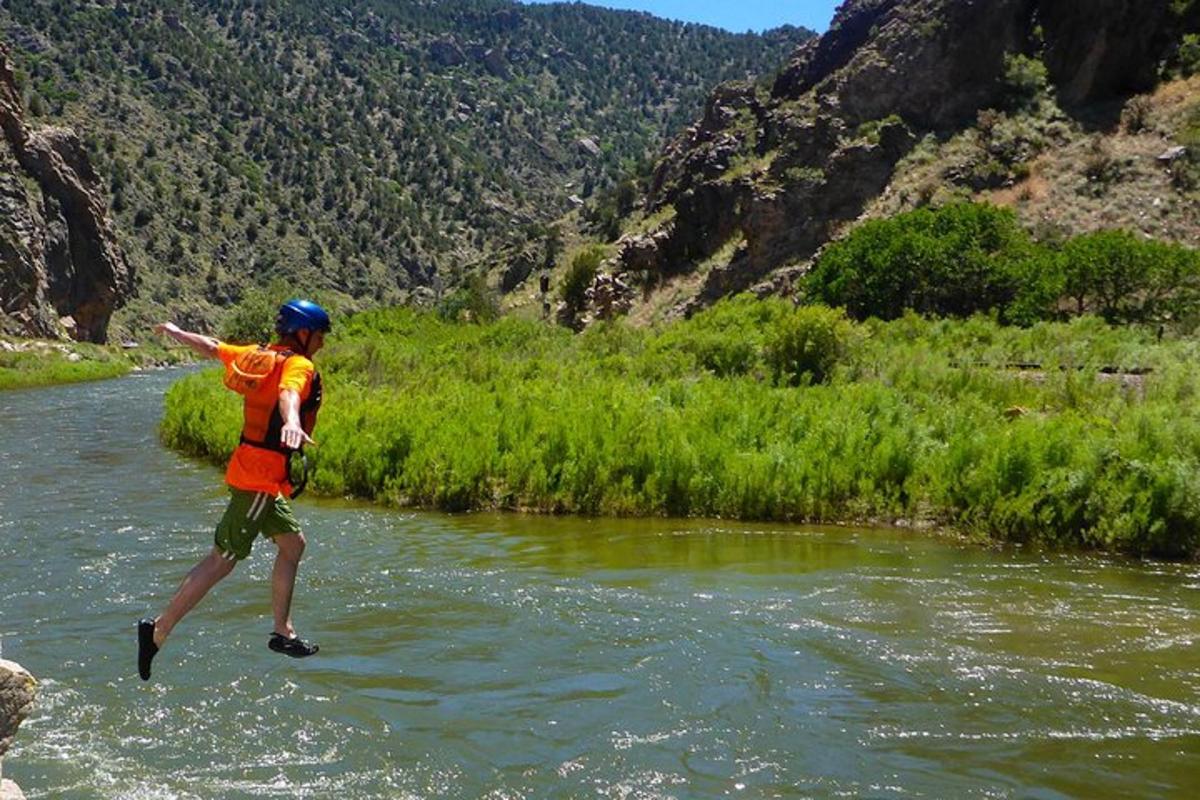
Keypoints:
pixel 61 269
pixel 768 176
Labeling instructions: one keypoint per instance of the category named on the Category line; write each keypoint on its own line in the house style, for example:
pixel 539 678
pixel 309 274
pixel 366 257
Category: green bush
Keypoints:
pixel 1026 80
pixel 1189 55
pixel 252 319
pixel 967 258
pixel 581 272
pixel 727 339
pixel 474 301
pixel 1125 278
pixel 47 365
pixel 805 345
pixel 956 260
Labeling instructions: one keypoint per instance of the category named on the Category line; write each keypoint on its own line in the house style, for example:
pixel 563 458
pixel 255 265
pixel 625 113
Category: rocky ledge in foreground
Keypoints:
pixel 17 692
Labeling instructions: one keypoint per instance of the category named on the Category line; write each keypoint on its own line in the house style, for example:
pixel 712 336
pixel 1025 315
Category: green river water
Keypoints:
pixel 503 656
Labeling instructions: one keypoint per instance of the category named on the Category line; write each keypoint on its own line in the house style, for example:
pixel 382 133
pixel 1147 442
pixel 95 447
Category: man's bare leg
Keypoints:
pixel 205 575
pixel 152 633
pixel 283 580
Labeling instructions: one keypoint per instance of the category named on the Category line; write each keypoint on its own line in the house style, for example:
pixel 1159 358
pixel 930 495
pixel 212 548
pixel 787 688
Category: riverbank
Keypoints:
pixel 26 363
pixel 760 411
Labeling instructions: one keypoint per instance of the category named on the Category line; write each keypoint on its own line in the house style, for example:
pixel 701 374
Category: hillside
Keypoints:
pixel 364 148
pixel 1059 114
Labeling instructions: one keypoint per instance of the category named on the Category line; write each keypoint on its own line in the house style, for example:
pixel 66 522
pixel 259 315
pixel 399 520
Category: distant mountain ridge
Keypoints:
pixel 361 147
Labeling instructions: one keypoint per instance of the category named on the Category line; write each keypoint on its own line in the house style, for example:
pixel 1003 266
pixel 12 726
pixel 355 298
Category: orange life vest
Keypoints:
pixel 261 421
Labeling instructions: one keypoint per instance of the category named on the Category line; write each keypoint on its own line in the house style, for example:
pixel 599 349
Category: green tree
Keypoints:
pixel 1125 278
pixel 955 261
pixel 581 272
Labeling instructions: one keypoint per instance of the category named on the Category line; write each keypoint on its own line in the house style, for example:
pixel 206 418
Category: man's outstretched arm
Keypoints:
pixel 204 345
pixel 292 435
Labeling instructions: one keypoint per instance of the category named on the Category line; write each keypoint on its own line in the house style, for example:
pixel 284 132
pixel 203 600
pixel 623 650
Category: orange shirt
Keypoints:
pixel 254 469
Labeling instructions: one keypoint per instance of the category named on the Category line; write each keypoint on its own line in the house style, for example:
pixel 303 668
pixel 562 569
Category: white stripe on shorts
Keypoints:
pixel 256 508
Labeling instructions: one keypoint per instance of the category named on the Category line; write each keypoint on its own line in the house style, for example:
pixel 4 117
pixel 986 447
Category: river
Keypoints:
pixel 505 656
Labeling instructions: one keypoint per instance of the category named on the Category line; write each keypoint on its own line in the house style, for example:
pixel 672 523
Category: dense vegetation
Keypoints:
pixel 760 410
pixel 967 258
pixel 363 146
pixel 29 363
pixel 28 369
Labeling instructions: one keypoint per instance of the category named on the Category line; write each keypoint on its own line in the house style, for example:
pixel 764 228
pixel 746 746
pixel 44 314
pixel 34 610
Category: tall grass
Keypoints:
pixel 46 366
pixel 759 410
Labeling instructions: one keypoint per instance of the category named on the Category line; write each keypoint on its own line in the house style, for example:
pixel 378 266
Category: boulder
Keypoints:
pixel 1172 154
pixel 588 146
pixel 495 63
pixel 17 692
pixel 516 271
pixel 446 53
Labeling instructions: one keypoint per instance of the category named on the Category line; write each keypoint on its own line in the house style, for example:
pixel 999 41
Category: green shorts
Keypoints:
pixel 248 515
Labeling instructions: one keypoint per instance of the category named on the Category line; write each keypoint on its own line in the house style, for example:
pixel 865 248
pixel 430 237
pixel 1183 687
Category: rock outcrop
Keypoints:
pixel 61 269
pixel 17 691
pixel 768 177
pixel 1103 47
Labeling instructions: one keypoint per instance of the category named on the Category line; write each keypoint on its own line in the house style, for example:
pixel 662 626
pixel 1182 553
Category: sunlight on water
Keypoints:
pixel 512 657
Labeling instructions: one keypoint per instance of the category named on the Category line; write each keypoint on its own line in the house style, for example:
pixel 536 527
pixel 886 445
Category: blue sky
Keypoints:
pixel 734 15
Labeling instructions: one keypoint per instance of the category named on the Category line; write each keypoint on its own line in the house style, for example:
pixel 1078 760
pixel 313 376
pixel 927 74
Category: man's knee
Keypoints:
pixel 291 545
pixel 220 563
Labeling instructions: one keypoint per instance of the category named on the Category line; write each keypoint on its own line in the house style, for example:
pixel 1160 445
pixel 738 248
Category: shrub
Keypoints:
pixel 968 258
pixel 580 274
pixel 1026 80
pixel 805 345
pixel 912 423
pixel 252 319
pixel 727 339
pixel 474 301
pixel 1135 116
pixel 1100 165
pixel 1189 55
pixel 1039 278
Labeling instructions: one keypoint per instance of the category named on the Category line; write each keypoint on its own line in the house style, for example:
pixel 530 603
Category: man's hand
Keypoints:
pixel 204 345
pixel 293 437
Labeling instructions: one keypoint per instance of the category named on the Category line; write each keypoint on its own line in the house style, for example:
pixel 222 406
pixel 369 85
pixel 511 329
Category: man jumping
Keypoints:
pixel 282 393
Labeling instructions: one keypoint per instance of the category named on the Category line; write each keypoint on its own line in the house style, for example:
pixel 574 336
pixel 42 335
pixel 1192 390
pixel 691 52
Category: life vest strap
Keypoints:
pixel 274 448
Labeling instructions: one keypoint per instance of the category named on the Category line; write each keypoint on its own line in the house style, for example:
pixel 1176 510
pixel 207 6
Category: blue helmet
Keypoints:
pixel 301 315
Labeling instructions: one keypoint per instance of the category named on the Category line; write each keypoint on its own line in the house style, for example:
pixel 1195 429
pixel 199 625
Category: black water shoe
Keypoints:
pixel 147 649
pixel 292 646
